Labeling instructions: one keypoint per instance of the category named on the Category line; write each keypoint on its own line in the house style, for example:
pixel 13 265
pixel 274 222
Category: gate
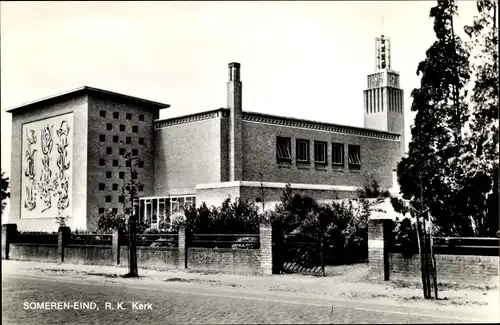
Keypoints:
pixel 299 255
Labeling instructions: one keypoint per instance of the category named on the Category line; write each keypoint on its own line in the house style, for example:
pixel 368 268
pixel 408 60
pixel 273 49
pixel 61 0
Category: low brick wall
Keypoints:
pixel 34 252
pixel 231 260
pixel 385 264
pixel 455 269
pixel 153 257
pixel 88 254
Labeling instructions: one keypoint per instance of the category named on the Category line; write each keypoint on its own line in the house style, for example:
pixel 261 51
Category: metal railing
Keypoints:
pixel 244 241
pixel 157 240
pixel 90 240
pixel 49 239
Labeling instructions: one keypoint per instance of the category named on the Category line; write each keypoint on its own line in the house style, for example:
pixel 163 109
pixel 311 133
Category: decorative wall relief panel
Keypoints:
pixel 46 180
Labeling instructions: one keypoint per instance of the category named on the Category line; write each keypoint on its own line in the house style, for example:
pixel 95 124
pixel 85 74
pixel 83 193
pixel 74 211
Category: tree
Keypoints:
pixel 5 194
pixel 480 157
pixel 431 176
pixel 130 202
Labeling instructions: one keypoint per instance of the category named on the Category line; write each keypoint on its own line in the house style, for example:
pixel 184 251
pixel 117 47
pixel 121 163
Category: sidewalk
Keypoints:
pixel 349 284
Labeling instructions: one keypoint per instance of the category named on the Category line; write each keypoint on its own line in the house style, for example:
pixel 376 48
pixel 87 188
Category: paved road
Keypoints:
pixel 183 303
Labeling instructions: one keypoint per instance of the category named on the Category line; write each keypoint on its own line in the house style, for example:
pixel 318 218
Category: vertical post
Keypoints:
pixel 183 248
pixel 379 232
pixel 8 232
pixel 266 248
pixel 322 258
pixel 63 238
pixel 115 246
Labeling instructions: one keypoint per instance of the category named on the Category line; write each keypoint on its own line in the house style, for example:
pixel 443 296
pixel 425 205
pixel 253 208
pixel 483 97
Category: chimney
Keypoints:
pixel 234 89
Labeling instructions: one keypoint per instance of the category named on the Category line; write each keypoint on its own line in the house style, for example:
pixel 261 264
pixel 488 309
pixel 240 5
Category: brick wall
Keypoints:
pixel 231 260
pixel 97 126
pixel 34 252
pixel 90 255
pixel 78 105
pixel 468 269
pixel 187 154
pixel 457 269
pixel 259 155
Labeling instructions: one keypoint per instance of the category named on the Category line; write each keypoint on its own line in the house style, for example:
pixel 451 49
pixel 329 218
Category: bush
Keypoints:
pixel 110 221
pixel 231 218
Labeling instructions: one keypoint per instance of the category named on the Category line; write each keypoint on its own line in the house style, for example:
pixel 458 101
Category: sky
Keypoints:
pixel 300 59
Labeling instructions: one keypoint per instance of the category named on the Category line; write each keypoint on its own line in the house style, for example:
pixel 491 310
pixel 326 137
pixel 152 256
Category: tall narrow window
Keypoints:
pixel 116 115
pixel 320 152
pixel 109 126
pixel 102 113
pixel 302 150
pixel 141 117
pixel 122 128
pixel 128 116
pixel 337 154
pixel 109 151
pixel 354 156
pixel 128 140
pixel 108 174
pixel 283 149
pixel 135 128
pixel 141 140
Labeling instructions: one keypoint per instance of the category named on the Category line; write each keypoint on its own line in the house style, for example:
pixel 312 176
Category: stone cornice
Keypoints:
pixel 313 125
pixel 218 113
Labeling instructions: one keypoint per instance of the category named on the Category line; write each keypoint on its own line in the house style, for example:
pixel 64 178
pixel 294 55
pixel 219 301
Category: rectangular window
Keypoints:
pixel 141 164
pixel 354 156
pixel 102 186
pixel 122 128
pixel 115 162
pixel 102 137
pixel 108 174
pixel 141 187
pixel 128 140
pixel 115 187
pixel 128 116
pixel 102 162
pixel 114 210
pixel 121 175
pixel 101 210
pixel 320 152
pixel 102 113
pixel 109 151
pixel 122 151
pixel 135 128
pixel 109 126
pixel 115 139
pixel 283 149
pixel 108 198
pixel 121 199
pixel 116 115
pixel 127 163
pixel 134 175
pixel 135 152
pixel 141 117
pixel 302 150
pixel 337 154
pixel 141 140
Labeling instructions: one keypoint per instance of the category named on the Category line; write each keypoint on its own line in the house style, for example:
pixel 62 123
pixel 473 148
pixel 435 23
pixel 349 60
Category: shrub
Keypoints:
pixel 110 221
pixel 230 218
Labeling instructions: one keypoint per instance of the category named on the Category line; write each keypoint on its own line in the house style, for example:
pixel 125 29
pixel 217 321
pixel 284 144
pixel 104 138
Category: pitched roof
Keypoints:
pixel 86 90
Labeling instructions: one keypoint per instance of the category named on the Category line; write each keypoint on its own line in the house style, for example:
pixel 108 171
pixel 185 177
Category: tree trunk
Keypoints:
pixel 132 248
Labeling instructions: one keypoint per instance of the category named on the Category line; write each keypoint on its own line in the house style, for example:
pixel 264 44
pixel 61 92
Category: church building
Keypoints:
pixel 68 152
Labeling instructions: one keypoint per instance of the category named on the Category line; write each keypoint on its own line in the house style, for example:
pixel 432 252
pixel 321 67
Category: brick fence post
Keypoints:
pixel 266 248
pixel 379 237
pixel 9 230
pixel 115 246
pixel 63 237
pixel 183 248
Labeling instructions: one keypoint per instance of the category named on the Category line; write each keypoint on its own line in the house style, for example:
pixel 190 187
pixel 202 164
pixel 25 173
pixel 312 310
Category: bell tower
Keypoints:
pixel 383 97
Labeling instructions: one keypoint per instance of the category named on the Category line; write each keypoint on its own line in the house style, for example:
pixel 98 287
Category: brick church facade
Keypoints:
pixel 67 152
